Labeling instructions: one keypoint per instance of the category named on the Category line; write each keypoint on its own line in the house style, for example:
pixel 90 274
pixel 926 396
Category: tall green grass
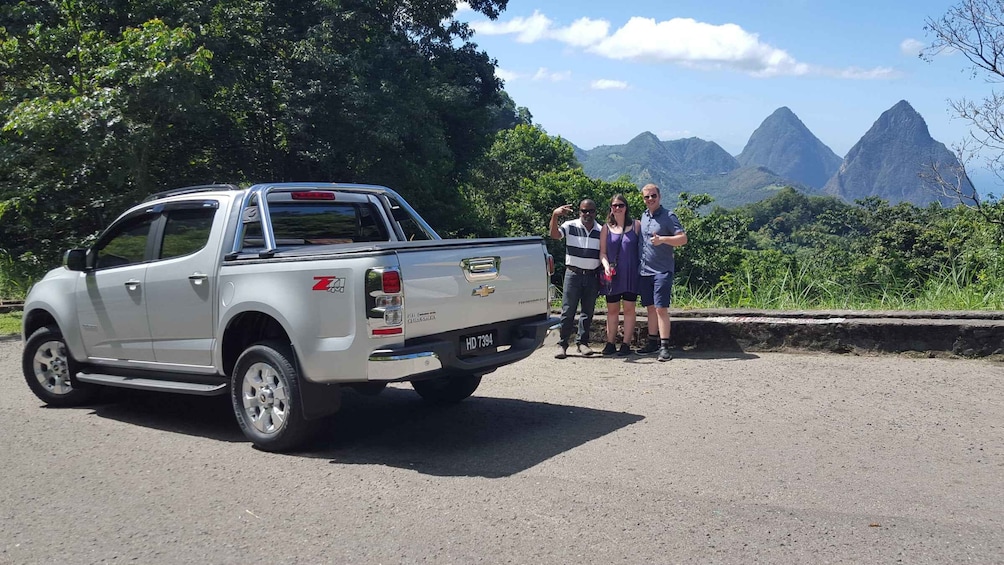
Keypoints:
pixel 953 288
pixel 10 323
pixel 17 275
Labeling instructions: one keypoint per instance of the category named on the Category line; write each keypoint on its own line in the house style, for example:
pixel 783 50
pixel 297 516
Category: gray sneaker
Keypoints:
pixel 664 354
pixel 584 349
pixel 562 351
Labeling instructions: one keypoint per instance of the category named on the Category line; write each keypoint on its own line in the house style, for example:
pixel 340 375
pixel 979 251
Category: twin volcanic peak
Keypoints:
pixel 887 162
pixel 892 159
pixel 784 145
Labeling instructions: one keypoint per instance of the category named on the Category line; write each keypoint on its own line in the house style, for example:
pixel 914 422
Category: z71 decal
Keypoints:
pixel 330 284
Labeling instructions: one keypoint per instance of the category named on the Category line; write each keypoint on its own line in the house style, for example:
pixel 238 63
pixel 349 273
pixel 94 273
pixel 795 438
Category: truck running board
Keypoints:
pixel 200 389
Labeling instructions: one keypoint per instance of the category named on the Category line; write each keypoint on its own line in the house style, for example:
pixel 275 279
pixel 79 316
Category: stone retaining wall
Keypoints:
pixel 909 333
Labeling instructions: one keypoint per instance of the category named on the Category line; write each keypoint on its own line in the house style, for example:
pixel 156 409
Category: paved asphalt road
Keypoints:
pixel 771 458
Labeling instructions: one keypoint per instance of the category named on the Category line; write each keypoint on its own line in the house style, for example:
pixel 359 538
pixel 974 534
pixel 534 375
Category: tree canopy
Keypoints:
pixel 107 101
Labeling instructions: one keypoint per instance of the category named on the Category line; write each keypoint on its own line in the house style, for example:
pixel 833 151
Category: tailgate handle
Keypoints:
pixel 481 268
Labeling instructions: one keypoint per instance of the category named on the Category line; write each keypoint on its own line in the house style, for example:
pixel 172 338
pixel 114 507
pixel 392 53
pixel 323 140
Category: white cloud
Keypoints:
pixel 507 76
pixel 526 30
pixel 863 74
pixel 607 84
pixel 582 33
pixel 463 7
pixel 697 44
pixel 544 74
pixel 679 41
pixel 911 47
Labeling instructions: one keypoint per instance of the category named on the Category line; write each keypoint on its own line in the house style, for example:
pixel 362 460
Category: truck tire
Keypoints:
pixel 448 389
pixel 48 368
pixel 265 392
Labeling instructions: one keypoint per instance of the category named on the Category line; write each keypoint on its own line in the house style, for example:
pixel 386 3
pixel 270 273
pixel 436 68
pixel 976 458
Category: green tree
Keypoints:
pixel 511 166
pixel 106 101
pixel 715 242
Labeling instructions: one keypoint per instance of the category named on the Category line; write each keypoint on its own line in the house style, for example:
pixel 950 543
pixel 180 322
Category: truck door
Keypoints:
pixel 111 298
pixel 181 284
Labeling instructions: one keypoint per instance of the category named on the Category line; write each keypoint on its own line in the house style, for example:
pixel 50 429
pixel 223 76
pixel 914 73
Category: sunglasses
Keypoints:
pixel 587 210
pixel 618 205
pixel 650 196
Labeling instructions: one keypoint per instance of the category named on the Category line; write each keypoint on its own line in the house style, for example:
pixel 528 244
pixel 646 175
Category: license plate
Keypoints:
pixel 476 343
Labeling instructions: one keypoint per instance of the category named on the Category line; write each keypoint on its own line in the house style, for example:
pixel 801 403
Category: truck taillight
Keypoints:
pixel 384 301
pixel 391 282
pixel 550 263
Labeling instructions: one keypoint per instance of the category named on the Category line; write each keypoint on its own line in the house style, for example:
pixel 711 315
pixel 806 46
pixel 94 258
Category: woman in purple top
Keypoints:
pixel 619 257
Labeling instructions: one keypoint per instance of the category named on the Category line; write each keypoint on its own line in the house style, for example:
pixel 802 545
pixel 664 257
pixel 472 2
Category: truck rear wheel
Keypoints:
pixel 447 389
pixel 48 368
pixel 265 392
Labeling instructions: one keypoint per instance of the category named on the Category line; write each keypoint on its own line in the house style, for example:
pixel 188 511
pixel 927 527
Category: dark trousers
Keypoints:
pixel 580 290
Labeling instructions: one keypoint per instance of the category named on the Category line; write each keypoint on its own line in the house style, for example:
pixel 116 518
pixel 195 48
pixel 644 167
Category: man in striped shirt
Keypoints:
pixel 582 282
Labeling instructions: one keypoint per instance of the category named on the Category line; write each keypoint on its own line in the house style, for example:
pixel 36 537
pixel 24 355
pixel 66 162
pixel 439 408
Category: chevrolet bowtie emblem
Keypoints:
pixel 483 291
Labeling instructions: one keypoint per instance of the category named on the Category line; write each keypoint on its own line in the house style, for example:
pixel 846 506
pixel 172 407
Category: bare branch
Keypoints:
pixel 974 28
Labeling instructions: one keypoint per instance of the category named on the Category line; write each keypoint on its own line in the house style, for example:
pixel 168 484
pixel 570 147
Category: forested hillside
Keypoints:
pixel 105 103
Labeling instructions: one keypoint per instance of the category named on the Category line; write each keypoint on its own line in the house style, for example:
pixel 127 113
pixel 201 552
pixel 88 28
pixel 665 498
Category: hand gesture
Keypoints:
pixel 564 209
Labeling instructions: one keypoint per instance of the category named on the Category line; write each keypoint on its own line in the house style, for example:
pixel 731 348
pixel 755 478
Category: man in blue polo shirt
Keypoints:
pixel 661 231
pixel 582 281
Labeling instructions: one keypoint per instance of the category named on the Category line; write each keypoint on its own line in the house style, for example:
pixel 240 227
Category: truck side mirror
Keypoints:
pixel 75 259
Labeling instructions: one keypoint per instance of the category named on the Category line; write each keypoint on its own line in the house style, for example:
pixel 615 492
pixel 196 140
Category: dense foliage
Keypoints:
pixel 798 251
pixel 104 102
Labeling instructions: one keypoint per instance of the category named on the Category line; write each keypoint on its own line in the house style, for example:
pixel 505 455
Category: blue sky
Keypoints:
pixel 601 72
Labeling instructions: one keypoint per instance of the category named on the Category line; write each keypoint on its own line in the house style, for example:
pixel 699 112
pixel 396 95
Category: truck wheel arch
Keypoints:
pixel 37 318
pixel 246 329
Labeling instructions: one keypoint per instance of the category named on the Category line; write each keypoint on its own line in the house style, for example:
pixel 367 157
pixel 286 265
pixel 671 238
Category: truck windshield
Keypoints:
pixel 307 223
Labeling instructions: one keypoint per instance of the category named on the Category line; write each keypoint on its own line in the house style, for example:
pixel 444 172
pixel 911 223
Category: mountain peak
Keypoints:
pixel 903 118
pixel 644 137
pixel 784 145
pixel 903 106
pixel 890 158
pixel 783 112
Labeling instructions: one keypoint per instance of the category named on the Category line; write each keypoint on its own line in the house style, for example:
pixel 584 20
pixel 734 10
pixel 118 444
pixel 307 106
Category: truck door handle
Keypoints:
pixel 198 278
pixel 132 284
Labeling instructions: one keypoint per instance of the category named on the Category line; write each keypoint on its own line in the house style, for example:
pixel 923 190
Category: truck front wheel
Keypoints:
pixel 49 369
pixel 447 389
pixel 265 391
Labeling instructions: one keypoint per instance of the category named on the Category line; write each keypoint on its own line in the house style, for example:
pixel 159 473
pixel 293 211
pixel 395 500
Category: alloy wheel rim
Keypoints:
pixel 266 398
pixel 52 367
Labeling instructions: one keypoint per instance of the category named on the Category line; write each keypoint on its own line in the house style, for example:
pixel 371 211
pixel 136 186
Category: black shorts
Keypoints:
pixel 625 296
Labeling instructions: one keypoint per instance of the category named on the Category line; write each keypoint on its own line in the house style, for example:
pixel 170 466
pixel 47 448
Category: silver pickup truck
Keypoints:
pixel 280 295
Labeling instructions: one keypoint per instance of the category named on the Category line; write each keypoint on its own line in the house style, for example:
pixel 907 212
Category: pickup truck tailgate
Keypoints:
pixel 462 284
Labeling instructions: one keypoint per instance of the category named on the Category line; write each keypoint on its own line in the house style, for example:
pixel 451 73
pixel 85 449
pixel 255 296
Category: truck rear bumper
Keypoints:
pixel 429 357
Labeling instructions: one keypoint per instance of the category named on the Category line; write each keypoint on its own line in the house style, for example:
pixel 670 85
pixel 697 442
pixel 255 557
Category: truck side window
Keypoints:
pixel 186 231
pixel 125 245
